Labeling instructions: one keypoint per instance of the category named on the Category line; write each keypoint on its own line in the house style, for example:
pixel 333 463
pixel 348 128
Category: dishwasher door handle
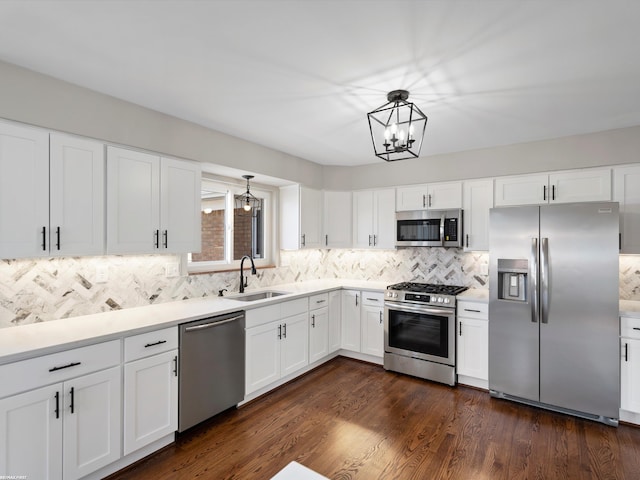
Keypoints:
pixel 212 324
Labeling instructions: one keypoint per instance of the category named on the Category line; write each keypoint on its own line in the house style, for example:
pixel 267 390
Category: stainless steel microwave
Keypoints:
pixel 429 228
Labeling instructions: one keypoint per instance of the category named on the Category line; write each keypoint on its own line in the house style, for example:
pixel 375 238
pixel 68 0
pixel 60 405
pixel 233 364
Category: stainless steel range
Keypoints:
pixel 419 330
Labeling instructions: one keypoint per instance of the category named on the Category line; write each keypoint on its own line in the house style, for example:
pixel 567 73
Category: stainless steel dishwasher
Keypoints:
pixel 211 367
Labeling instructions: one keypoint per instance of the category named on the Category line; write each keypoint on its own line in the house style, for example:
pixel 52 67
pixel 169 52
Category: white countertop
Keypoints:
pixel 25 341
pixel 629 308
pixel 479 295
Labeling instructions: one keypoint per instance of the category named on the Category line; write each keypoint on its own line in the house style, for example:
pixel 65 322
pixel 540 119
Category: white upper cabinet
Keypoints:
pixel 627 192
pixel 153 203
pixel 24 191
pixel 51 197
pixel 564 187
pixel 374 218
pixel 77 196
pixel 478 200
pixel 337 215
pixel 437 196
pixel 300 217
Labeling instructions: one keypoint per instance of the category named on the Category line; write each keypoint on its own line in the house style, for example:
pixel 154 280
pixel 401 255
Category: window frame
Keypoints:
pixel 230 189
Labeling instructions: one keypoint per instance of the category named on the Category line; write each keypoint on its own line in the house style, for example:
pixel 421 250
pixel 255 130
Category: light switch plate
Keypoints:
pixel 172 269
pixel 102 274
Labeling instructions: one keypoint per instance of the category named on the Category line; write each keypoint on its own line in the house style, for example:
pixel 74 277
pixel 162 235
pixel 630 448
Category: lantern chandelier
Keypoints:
pixel 247 201
pixel 397 128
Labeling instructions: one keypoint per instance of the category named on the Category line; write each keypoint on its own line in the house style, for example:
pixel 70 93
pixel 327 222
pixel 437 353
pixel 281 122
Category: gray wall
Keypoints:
pixel 47 102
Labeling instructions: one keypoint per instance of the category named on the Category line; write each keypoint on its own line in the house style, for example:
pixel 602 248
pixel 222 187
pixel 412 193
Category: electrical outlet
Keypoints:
pixel 484 269
pixel 172 269
pixel 102 274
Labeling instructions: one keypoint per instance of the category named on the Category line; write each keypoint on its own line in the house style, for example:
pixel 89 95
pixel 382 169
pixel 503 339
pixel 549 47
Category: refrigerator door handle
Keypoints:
pixel 544 280
pixel 533 286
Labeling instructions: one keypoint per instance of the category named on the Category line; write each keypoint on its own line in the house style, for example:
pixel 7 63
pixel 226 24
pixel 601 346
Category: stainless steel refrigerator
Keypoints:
pixel 553 308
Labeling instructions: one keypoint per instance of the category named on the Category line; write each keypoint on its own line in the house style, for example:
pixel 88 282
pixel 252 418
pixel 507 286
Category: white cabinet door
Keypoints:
pixel 180 221
pixel 31 434
pixel 338 223
pixel 444 196
pixel 521 190
pixel 77 185
pixel 92 422
pixel 133 201
pixel 384 219
pixel 478 200
pixel 263 344
pixel 335 320
pixel 351 300
pixel 627 192
pixel 150 399
pixel 24 191
pixel 363 212
pixel 295 343
pixel 473 348
pixel 318 334
pixel 630 375
pixel 580 186
pixel 372 330
pixel 311 218
pixel 411 198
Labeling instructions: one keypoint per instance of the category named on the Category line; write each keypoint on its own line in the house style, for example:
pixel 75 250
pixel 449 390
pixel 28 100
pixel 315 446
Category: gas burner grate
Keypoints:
pixel 432 288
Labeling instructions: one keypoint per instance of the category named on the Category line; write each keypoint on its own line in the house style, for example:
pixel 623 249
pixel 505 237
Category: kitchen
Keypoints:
pixel 59 287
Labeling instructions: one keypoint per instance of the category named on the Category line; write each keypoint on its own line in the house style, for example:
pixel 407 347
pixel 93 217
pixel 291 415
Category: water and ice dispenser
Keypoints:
pixel 512 279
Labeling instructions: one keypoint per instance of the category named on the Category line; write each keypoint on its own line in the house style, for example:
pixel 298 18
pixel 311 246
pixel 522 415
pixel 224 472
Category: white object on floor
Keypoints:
pixel 295 471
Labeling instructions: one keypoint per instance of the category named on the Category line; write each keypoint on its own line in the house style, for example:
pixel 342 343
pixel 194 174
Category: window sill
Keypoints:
pixel 228 269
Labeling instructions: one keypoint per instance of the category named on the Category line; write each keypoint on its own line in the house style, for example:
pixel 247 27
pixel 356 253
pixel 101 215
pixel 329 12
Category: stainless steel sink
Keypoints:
pixel 252 297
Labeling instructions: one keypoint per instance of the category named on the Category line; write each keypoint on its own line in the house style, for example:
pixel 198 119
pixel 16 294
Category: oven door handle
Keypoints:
pixel 406 308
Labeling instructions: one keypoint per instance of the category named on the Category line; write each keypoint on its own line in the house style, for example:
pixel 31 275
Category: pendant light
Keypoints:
pixel 247 201
pixel 397 128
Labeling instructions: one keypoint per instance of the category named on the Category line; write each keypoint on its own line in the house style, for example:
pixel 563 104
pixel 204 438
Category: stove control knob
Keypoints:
pixel 446 300
pixel 440 299
pixel 395 295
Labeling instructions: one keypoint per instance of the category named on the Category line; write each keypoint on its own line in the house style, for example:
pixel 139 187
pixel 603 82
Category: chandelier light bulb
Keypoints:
pixel 247 205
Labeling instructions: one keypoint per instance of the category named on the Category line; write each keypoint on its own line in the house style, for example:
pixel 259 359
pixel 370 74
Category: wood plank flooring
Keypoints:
pixel 352 420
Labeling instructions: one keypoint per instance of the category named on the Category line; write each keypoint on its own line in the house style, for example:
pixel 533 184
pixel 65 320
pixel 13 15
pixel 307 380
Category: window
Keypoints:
pixel 229 233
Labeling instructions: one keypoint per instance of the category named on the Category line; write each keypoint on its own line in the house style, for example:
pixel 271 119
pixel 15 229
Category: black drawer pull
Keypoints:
pixel 57 405
pixel 636 328
pixel 73 364
pixel 159 342
pixel 471 310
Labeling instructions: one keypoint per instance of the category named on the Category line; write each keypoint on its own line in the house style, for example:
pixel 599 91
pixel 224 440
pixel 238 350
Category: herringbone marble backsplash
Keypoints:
pixel 42 290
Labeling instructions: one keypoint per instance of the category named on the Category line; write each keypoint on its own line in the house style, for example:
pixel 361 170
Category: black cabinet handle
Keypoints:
pixel 284 330
pixel 165 234
pixel 57 405
pixel 471 310
pixel 424 201
pixel 375 240
pixel 175 366
pixel 71 392
pixel 380 317
pixel 44 239
pixel 636 328
pixel 467 237
pixel 313 321
pixel 626 352
pixel 356 299
pixel 553 192
pixel 460 329
pixel 369 240
pixel 159 342
pixel 304 240
pixel 429 200
pixel 279 332
pixel 73 364
pixel 544 192
pixel 326 240
pixel 156 237
pixel 58 238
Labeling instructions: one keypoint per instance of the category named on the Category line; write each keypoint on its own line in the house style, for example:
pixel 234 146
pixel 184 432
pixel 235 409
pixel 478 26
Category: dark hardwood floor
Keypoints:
pixel 352 420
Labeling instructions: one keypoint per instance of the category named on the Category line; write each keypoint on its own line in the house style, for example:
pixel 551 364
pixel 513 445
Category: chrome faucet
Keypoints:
pixel 243 280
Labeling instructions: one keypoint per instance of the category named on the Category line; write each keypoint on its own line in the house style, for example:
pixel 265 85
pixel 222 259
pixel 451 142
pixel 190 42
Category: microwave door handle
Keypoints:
pixel 442 229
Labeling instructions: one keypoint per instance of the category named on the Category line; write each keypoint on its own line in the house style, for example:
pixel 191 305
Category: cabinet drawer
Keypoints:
pixel 630 327
pixel 373 298
pixel 262 315
pixel 57 367
pixel 150 343
pixel 295 307
pixel 473 310
pixel 318 301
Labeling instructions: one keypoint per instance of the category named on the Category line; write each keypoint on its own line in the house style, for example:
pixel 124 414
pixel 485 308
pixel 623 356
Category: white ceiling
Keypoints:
pixel 300 75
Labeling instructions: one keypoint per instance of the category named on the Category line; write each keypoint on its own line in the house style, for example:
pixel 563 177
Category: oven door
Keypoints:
pixel 423 332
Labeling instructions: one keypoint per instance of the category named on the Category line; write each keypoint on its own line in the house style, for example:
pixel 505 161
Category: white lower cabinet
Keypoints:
pixel 150 387
pixel 630 368
pixel 371 321
pixel 277 342
pixel 351 301
pixel 318 327
pixel 65 430
pixel 472 359
pixel 335 320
